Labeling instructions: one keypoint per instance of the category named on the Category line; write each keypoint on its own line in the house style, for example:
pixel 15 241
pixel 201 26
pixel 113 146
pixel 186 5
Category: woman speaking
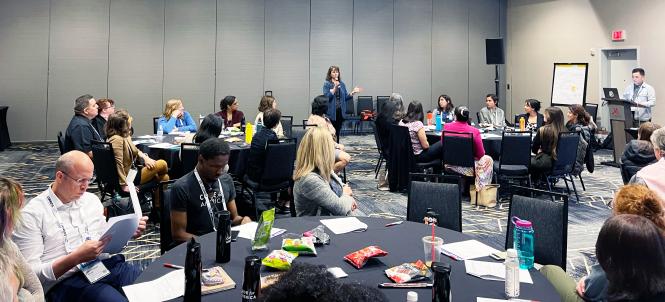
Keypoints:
pixel 337 95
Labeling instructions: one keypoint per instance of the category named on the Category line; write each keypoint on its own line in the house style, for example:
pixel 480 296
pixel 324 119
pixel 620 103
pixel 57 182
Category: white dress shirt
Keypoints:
pixel 40 238
pixel 646 96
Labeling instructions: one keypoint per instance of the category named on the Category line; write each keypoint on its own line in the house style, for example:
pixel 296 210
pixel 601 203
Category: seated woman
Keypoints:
pixel 391 113
pixel 229 112
pixel 17 280
pixel 484 164
pixel 532 117
pixel 580 120
pixel 491 114
pixel 319 118
pixel 652 175
pixel 105 107
pixel 211 126
pixel 268 102
pixel 630 199
pixel 421 148
pixel 317 189
pixel 444 108
pixel 631 251
pixel 638 153
pixel 175 118
pixel 545 141
pixel 126 153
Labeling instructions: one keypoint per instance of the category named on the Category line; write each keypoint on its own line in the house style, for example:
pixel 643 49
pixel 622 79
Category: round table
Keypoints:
pixel 491 141
pixel 402 242
pixel 237 158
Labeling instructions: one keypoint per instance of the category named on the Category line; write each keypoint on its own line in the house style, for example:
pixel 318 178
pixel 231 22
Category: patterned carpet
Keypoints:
pixel 32 165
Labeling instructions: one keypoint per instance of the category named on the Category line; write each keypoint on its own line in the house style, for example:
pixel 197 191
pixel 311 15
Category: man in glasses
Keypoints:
pixel 80 132
pixel 59 232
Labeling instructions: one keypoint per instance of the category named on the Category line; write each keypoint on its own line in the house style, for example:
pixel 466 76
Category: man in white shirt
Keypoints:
pixel 56 234
pixel 643 95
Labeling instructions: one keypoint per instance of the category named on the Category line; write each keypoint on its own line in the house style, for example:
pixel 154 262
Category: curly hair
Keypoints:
pixel 266 103
pixel 640 200
pixel 582 117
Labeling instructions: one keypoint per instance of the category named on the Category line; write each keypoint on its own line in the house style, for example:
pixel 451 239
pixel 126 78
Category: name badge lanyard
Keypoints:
pixel 99 136
pixel 205 195
pixel 62 225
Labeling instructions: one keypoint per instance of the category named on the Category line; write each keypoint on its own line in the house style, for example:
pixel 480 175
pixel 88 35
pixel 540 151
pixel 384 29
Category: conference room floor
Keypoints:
pixel 32 165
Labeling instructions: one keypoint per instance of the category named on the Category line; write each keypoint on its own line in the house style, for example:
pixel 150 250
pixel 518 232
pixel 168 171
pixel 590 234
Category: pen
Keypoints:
pixel 394 223
pixel 405 285
pixel 171 265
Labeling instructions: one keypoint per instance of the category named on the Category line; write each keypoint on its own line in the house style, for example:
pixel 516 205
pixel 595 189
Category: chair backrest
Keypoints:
pixel 478 117
pixel 61 143
pixel 279 161
pixel 350 107
pixel 441 194
pixel 517 119
pixel 457 148
pixel 287 124
pixel 105 166
pixel 377 138
pixel 297 134
pixel 401 160
pixel 365 102
pixel 380 101
pixel 550 224
pixel 566 153
pixel 518 148
pixel 165 235
pixel 155 124
pixel 189 156
pixel 592 109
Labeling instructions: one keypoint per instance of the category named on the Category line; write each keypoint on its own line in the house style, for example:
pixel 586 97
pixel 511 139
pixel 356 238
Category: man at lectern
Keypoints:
pixel 643 95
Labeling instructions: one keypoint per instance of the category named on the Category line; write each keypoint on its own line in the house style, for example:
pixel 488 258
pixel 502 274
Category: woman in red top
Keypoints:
pixel 484 163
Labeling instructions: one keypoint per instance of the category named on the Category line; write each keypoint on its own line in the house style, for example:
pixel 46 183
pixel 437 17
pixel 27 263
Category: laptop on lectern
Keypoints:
pixel 611 94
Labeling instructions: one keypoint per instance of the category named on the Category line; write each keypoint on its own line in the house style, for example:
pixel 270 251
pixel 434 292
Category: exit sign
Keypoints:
pixel 618 35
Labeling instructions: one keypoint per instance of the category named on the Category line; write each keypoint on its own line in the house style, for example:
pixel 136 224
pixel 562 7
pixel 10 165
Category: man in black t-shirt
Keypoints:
pixel 80 133
pixel 198 196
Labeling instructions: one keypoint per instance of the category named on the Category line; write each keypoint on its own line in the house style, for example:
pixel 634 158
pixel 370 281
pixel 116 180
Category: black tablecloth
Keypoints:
pixel 4 131
pixel 402 242
pixel 237 159
pixel 492 145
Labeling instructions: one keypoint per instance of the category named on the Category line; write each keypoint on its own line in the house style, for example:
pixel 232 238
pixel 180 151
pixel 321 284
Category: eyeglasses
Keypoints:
pixel 80 181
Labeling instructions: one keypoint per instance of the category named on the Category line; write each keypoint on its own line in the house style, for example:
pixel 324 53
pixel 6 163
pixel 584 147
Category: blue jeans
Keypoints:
pixel 109 288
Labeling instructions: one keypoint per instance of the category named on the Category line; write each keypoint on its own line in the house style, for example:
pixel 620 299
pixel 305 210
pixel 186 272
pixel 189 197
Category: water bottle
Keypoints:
pixel 193 272
pixel 523 237
pixel 441 287
pixel 160 131
pixel 412 296
pixel 429 118
pixel 437 120
pixel 223 252
pixel 512 274
pixel 522 123
pixel 251 279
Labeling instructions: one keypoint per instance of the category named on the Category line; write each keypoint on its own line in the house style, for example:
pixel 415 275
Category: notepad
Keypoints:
pixel 344 225
pixel 469 249
pixel 248 230
pixel 495 271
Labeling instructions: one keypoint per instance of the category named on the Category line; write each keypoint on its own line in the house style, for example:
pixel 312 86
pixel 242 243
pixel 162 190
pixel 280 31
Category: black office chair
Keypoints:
pixel 440 193
pixel 287 125
pixel 592 109
pixel 458 151
pixel 351 115
pixel 189 157
pixel 380 102
pixel 155 124
pixel 365 103
pixel 550 223
pixel 515 162
pixel 478 117
pixel 562 167
pixel 165 235
pixel 61 143
pixel 277 170
pixel 379 147
pixel 401 159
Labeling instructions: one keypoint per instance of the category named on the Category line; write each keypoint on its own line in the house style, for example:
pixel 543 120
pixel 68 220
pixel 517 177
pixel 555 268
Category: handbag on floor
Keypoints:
pixel 486 196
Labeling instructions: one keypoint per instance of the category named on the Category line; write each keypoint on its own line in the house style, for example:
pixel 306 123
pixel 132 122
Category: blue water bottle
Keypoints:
pixel 523 237
pixel 437 119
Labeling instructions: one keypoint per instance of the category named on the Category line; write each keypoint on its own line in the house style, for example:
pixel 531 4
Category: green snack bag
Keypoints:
pixel 262 235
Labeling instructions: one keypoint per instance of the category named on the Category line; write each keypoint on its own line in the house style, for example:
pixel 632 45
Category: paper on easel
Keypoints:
pixel 132 193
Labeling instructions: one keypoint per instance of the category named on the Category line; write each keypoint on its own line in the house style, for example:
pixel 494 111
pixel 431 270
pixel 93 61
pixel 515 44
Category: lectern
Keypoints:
pixel 621 120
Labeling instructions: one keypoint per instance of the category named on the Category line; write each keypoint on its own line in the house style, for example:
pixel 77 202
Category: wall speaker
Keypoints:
pixel 494 51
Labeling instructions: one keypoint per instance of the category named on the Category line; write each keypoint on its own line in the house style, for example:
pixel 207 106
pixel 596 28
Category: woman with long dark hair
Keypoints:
pixel 533 119
pixel 229 112
pixel 211 127
pixel 545 141
pixel 421 147
pixel 337 95
pixel 444 108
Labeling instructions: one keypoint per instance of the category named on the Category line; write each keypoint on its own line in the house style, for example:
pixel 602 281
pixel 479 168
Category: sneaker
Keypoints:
pixel 383 188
